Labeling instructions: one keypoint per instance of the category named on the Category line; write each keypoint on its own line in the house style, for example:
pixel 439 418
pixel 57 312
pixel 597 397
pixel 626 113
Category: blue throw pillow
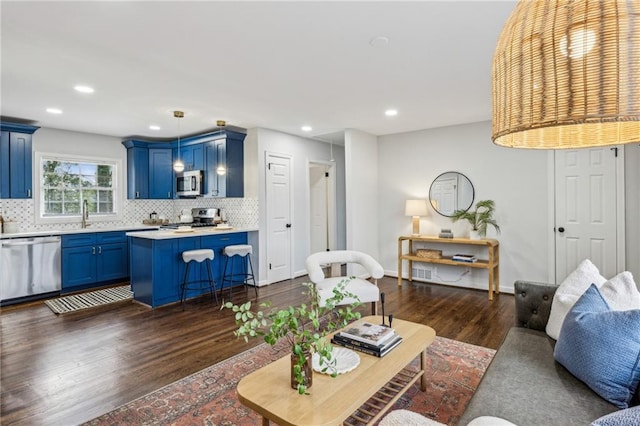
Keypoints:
pixel 601 347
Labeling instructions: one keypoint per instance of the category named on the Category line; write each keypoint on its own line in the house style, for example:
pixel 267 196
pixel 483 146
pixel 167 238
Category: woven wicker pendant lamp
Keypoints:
pixel 566 74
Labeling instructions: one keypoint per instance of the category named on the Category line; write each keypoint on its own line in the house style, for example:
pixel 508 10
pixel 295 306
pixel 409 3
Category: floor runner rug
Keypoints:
pixel 208 397
pixel 77 302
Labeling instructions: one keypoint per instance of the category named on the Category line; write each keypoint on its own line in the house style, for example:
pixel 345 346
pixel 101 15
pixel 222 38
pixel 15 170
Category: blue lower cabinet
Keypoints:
pixel 157 269
pixel 78 267
pixel 165 273
pixel 93 259
pixel 112 262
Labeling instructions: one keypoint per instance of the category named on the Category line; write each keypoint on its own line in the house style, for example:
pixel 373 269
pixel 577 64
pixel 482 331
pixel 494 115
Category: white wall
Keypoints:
pixel 361 157
pixel 302 151
pixel 77 143
pixel 251 175
pixel 515 179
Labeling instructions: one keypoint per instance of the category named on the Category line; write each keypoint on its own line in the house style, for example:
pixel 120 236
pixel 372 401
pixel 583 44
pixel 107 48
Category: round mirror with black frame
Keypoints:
pixel 451 191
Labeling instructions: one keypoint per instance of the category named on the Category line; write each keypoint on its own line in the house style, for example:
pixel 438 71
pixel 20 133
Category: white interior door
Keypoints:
pixel 278 194
pixel 586 210
pixel 318 205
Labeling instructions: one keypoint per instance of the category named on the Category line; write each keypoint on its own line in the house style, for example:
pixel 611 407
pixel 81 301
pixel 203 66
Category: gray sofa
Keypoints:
pixel 523 383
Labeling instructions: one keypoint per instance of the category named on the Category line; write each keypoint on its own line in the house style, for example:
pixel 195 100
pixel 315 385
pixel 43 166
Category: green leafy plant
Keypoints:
pixel 479 218
pixel 304 326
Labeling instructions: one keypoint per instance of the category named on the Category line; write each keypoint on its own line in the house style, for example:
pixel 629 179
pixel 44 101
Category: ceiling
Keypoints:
pixel 276 65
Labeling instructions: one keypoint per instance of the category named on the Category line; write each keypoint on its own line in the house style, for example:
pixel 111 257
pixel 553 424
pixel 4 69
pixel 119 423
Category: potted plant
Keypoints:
pixel 304 327
pixel 478 218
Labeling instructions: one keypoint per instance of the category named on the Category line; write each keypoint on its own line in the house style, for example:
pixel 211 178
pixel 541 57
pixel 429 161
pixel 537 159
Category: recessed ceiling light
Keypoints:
pixel 391 112
pixel 306 128
pixel 379 41
pixel 84 89
pixel 154 127
pixel 54 110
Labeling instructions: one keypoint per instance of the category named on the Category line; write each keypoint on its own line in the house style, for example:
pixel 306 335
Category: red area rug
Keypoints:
pixel 208 397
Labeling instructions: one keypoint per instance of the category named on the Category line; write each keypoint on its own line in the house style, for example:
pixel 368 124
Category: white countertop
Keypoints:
pixel 89 229
pixel 166 234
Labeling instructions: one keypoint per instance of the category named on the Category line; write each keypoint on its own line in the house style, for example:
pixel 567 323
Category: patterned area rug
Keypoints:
pixel 208 397
pixel 77 302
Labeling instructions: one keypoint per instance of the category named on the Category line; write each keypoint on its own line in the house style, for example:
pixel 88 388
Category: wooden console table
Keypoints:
pixel 492 264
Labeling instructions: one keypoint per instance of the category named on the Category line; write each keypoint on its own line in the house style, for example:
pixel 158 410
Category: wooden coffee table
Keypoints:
pixel 362 395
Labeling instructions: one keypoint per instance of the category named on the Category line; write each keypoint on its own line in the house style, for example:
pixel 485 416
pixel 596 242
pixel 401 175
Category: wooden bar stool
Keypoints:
pixel 243 253
pixel 199 256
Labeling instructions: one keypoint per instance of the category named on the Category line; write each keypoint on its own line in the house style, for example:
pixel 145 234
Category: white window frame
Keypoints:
pixel 118 189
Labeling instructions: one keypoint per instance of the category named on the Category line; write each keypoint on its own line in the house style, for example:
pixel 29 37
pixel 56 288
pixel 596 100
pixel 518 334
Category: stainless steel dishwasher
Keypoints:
pixel 29 267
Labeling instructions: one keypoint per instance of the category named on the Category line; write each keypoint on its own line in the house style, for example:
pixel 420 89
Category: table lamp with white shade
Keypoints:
pixel 416 208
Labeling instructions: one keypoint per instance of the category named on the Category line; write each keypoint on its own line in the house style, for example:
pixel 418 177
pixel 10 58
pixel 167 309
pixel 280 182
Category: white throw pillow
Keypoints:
pixel 621 292
pixel 569 292
pixel 490 421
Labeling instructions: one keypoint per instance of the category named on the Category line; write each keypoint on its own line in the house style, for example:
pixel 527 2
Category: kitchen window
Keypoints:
pixel 66 182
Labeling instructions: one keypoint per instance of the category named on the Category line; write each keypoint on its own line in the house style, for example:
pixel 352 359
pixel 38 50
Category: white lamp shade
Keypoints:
pixel 416 208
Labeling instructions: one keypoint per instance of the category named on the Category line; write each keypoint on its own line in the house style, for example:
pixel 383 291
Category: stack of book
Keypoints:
pixel 369 338
pixel 464 258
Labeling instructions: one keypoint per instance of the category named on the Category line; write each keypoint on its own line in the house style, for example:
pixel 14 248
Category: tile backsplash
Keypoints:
pixel 239 212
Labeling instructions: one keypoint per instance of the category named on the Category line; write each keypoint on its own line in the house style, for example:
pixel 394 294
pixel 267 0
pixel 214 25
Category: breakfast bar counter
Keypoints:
pixel 156 266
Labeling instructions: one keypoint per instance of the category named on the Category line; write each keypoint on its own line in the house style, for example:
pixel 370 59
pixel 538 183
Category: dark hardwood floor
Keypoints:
pixel 64 370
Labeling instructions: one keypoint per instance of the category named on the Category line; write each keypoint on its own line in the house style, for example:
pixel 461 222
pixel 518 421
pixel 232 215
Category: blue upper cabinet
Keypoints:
pixel 214 181
pixel 193 157
pixel 149 170
pixel 4 165
pixel 219 154
pixel 225 168
pixel 137 173
pixel 234 152
pixel 16 164
pixel 160 173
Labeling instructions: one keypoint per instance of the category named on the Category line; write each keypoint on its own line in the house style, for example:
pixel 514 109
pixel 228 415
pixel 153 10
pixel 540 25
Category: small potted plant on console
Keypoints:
pixel 479 218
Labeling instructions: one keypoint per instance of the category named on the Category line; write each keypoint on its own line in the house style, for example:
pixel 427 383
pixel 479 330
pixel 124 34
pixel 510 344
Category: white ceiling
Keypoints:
pixel 278 65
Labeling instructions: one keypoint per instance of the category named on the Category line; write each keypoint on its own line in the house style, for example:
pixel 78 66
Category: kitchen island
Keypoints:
pixel 156 265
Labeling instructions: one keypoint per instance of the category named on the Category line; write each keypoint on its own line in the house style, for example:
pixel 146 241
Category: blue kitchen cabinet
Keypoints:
pixel 78 267
pixel 4 165
pixel 219 154
pixel 193 157
pixel 112 257
pixel 214 180
pixel 160 173
pixel 234 152
pixel 157 269
pixel 92 259
pixel 149 172
pixel 78 260
pixel 137 173
pixel 224 168
pixel 20 179
pixel 16 164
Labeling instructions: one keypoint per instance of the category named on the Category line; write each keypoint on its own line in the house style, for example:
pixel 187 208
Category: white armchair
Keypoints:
pixel 366 291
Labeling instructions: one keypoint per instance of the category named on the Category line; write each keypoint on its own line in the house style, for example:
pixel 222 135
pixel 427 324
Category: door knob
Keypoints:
pixel 288 225
pixel 561 229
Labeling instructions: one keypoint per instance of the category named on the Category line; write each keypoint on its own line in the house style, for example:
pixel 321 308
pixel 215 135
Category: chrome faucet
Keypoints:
pixel 85 214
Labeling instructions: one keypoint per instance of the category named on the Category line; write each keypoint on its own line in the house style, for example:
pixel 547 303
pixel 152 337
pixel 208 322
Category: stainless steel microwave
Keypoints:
pixel 190 183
